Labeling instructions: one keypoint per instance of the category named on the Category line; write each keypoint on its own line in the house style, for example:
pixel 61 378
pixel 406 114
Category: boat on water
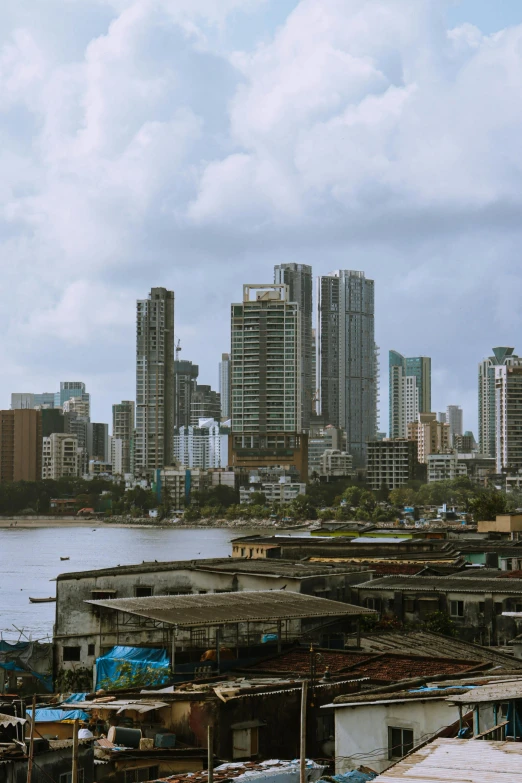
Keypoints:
pixel 49 600
pixel 64 558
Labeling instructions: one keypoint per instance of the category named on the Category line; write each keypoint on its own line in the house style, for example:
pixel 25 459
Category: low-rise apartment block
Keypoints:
pixel 61 456
pixel 391 462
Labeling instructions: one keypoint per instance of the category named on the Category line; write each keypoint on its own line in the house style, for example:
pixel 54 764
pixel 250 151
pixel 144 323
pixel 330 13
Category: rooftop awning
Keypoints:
pixel 9 720
pixel 192 611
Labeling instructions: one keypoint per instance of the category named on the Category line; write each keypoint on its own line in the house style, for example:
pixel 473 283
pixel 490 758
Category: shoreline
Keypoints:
pixel 17 523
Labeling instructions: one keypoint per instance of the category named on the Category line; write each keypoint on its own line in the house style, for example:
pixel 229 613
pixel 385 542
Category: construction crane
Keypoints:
pixel 178 347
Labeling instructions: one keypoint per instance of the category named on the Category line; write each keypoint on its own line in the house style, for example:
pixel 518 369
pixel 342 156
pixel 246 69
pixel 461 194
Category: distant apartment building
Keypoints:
pixel 403 396
pixel 445 467
pixel 98 467
pixel 314 372
pixel 454 417
pixel 80 405
pixel 117 450
pixel 61 456
pixel 336 464
pixel 420 368
pixel 205 404
pixel 347 365
pixel 276 492
pixel 20 445
pixel 502 357
pixel 431 436
pixel 298 278
pixel 266 381
pixel 508 418
pixel 123 422
pixel 465 443
pixel 224 385
pixel 30 400
pixel 204 446
pixel 154 380
pixel 53 420
pixel 70 389
pixel 185 382
pixel 329 437
pixel 392 462
pixel 98 441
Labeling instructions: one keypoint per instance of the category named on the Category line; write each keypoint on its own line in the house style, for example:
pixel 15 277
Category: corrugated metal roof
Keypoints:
pixel 270 567
pixel 9 720
pixel 459 761
pixel 192 611
pixel 444 584
pixel 495 691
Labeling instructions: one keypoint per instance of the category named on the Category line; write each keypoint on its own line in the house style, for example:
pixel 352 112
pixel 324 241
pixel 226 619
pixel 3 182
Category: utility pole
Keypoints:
pixel 210 753
pixel 31 742
pixel 302 759
pixel 74 772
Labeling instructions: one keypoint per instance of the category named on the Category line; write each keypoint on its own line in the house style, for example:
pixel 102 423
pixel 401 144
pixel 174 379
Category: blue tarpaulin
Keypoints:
pixel 126 666
pixel 75 697
pixel 24 656
pixel 46 715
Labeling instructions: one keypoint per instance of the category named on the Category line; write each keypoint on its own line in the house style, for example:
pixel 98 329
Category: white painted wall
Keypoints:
pixel 361 732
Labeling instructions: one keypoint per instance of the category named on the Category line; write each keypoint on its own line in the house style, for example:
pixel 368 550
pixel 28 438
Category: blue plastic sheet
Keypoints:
pixel 47 715
pixel 75 697
pixel 124 667
pixel 18 657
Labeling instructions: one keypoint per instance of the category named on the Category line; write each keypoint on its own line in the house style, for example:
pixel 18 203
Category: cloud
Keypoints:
pixel 138 149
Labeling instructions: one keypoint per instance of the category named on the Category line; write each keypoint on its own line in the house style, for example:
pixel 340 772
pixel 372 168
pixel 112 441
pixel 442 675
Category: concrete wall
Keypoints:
pixel 504 523
pixel 361 732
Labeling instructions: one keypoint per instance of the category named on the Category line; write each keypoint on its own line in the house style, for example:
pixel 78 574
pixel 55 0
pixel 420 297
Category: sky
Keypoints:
pixel 193 144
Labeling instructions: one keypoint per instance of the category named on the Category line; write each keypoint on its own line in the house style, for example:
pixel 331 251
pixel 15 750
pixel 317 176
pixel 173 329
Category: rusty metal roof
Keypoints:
pixel 459 761
pixel 444 584
pixel 192 611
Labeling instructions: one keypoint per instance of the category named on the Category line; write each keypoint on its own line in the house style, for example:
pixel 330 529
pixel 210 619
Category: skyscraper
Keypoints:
pixel 420 367
pixel 224 385
pixel 298 278
pixel 454 419
pixel 508 417
pixel 154 380
pixel 185 381
pixel 69 389
pixel 403 396
pixel 346 357
pixel 266 381
pixel 20 445
pixel 205 404
pixel 123 429
pixel 502 356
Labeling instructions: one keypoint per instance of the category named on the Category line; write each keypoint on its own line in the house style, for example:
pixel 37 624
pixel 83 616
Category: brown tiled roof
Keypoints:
pixel 390 668
pixel 297 661
pixel 390 568
pixel 510 575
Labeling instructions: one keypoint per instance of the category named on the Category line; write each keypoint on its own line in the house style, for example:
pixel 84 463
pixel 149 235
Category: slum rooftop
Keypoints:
pixel 193 611
pixel 453 583
pixel 459 761
pixel 285 568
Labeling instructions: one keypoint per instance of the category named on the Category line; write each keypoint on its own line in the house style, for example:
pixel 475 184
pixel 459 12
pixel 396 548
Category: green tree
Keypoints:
pixel 487 504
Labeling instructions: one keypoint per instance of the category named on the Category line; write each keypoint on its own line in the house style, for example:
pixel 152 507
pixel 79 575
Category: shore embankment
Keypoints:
pixel 128 522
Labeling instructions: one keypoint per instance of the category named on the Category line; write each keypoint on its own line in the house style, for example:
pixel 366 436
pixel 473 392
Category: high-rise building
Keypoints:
pixel 79 405
pixel 30 400
pixel 70 389
pixel 454 418
pixel 314 372
pixel 98 441
pixel 205 404
pixel 508 417
pixel 204 446
pixel 224 385
pixel 298 278
pixel 403 396
pixel 123 430
pixel 185 382
pixel 20 445
pixel 432 436
pixel 347 357
pixel 117 451
pixel 392 462
pixel 61 456
pixel 420 367
pixel 266 381
pixel 154 380
pixel 502 357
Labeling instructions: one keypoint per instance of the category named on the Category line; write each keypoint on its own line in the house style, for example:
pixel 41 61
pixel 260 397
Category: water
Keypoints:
pixel 30 559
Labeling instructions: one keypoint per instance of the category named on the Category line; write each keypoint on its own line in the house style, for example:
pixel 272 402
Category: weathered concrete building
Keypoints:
pixel 82 633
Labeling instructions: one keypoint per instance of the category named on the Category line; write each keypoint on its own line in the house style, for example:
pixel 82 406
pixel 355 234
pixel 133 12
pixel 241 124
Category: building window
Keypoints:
pixel 457 608
pixel 143 592
pixel 91 649
pixel 482 607
pixel 409 605
pixel 325 726
pixel 66 777
pixel 71 653
pixel 400 742
pixel 498 607
pixel 139 775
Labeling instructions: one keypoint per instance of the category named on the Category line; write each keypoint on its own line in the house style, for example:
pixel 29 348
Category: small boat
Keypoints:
pixel 49 600
pixel 65 558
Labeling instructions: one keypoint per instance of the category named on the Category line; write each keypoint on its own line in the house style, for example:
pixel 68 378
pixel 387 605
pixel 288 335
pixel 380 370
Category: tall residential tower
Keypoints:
pixel 404 396
pixel 346 357
pixel 502 357
pixel 154 380
pixel 298 278
pixel 266 381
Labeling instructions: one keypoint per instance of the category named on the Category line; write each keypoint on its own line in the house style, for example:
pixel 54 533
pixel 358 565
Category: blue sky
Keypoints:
pixel 195 144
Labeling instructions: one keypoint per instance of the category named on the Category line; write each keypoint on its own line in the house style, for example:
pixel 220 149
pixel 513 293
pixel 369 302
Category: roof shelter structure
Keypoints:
pixel 459 761
pixel 213 610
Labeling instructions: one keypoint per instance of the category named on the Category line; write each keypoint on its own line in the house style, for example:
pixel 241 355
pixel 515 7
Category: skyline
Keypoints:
pixel 192 146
